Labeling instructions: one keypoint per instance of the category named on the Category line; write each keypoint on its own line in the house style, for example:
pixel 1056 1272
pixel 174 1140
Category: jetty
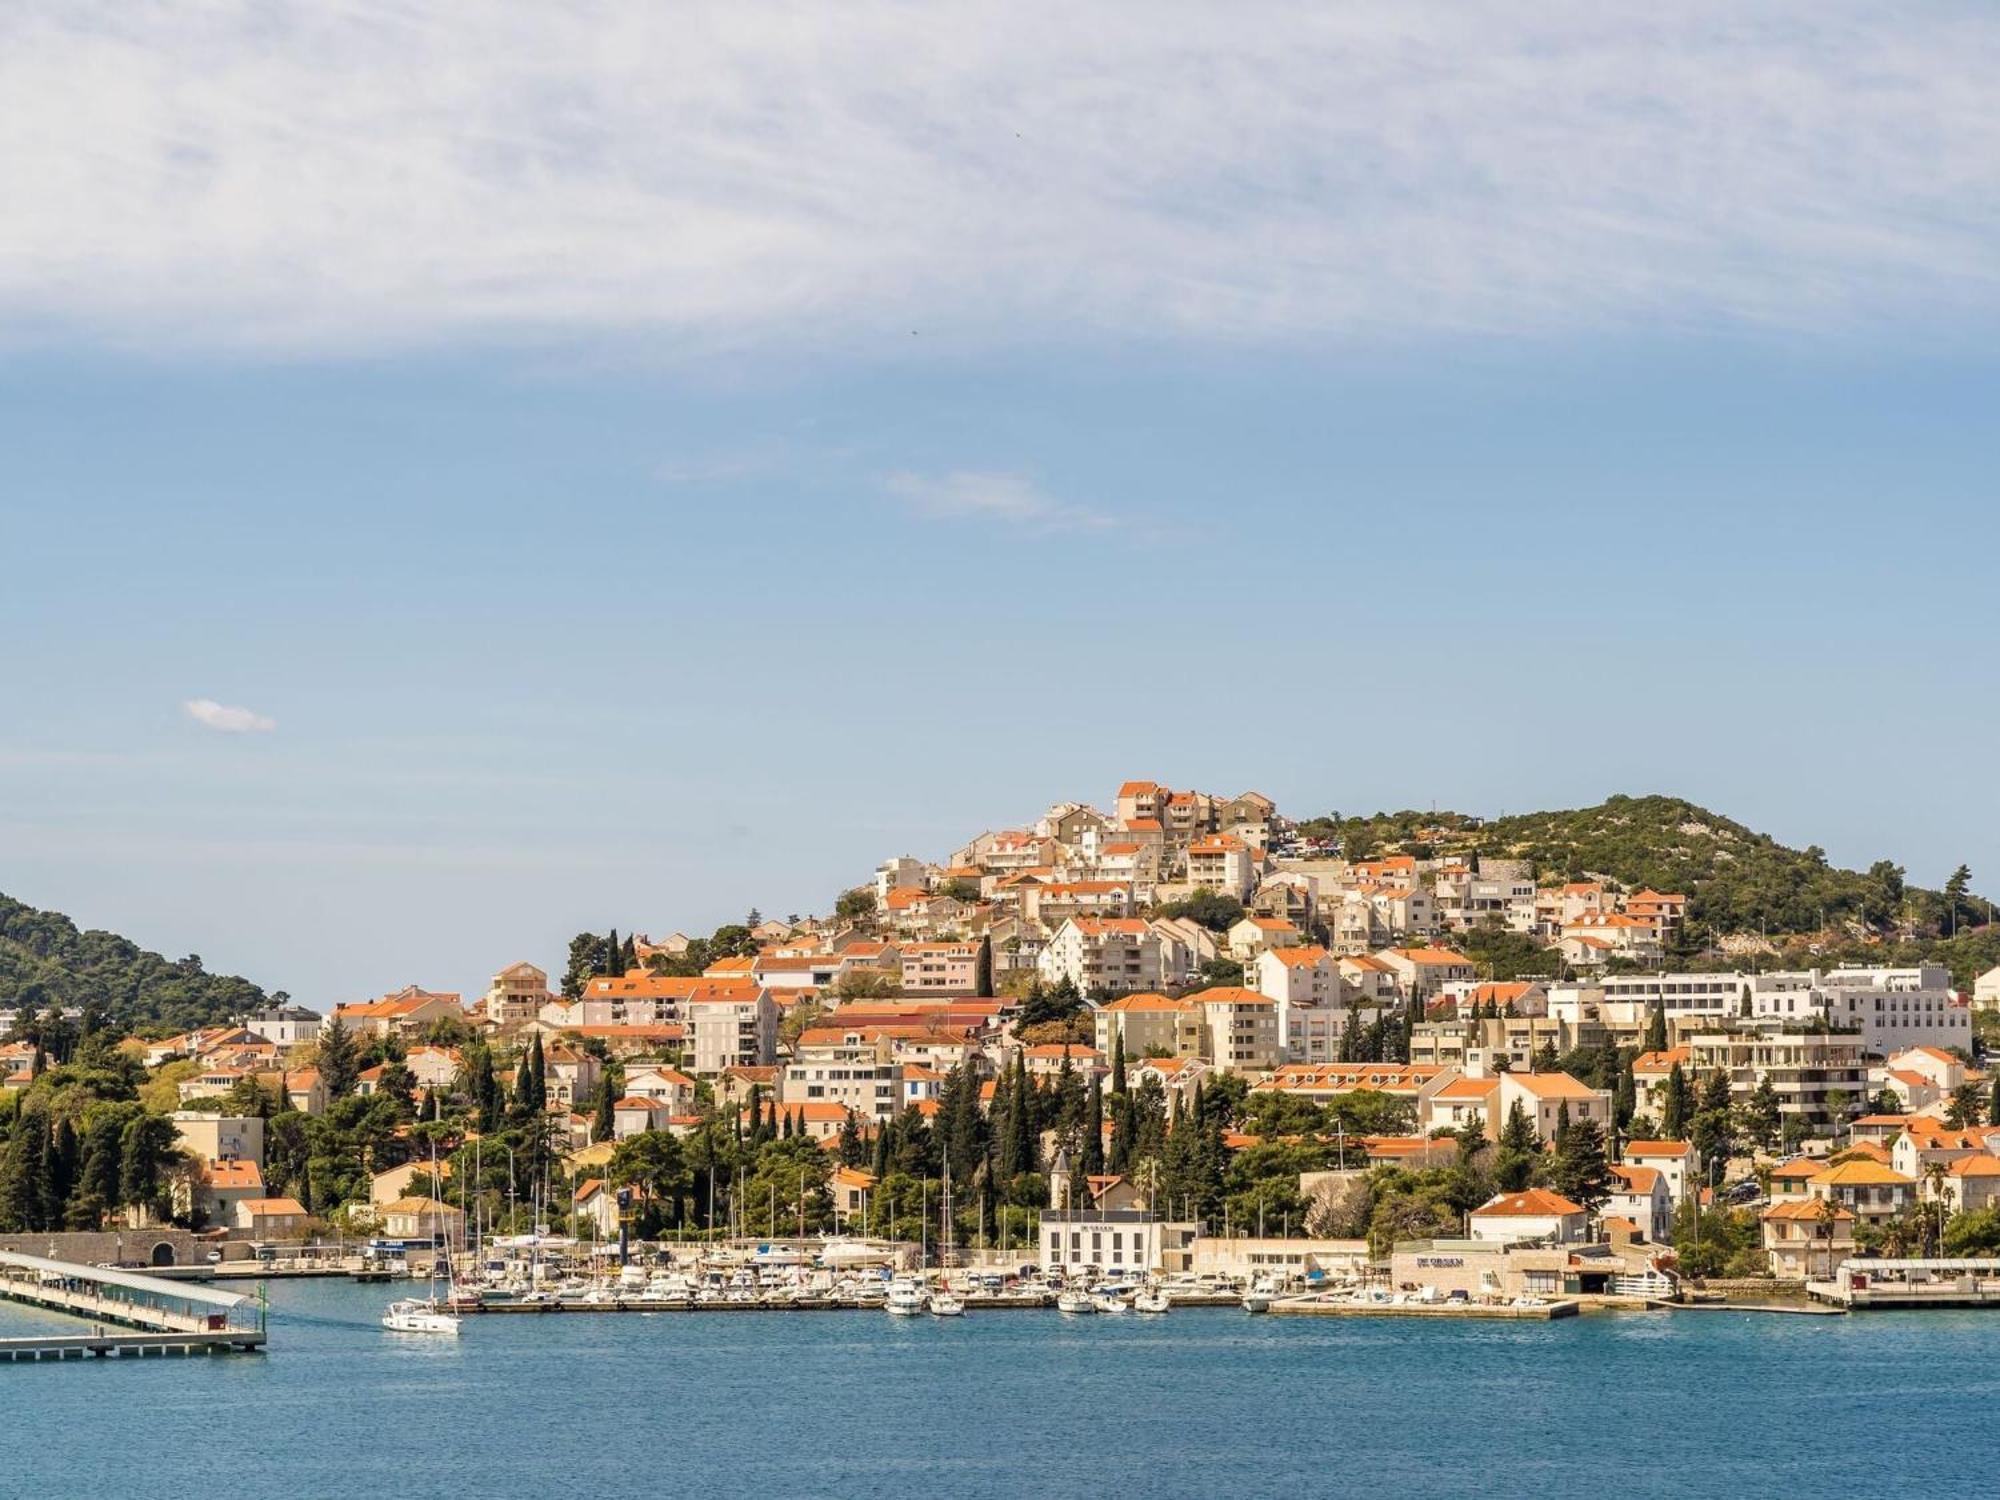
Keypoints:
pixel 1859 1285
pixel 1315 1306
pixel 128 1312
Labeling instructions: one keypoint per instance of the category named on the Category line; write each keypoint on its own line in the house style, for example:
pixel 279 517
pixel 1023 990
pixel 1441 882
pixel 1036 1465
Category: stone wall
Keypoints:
pixel 125 1247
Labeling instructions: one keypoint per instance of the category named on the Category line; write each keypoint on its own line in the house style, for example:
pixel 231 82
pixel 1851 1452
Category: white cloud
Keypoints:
pixel 878 176
pixel 1011 499
pixel 221 716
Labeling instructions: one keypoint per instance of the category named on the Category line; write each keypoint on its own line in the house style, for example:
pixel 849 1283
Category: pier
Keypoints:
pixel 129 1313
pixel 1317 1307
pixel 1862 1284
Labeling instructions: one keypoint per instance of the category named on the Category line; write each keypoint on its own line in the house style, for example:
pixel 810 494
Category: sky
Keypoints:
pixel 471 473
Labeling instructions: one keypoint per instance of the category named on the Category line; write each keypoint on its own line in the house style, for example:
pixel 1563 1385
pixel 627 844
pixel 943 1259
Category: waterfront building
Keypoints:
pixel 1536 1214
pixel 1807 1240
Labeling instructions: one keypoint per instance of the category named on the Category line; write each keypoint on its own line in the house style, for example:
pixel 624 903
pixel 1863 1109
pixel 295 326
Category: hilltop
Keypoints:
pixel 45 959
pixel 1738 882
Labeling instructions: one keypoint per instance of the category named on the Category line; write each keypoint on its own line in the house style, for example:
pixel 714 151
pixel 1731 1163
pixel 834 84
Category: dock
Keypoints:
pixel 128 1313
pixel 1312 1307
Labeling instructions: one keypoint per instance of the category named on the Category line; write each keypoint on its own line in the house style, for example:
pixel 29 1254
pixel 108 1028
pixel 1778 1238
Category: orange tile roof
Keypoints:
pixel 1861 1174
pixel 1535 1202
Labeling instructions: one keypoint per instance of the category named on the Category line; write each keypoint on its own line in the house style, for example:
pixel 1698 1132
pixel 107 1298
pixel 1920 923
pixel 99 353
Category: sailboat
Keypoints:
pixel 412 1315
pixel 944 1302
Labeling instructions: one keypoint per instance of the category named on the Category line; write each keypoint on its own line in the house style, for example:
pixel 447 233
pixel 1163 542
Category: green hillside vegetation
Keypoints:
pixel 46 960
pixel 1737 881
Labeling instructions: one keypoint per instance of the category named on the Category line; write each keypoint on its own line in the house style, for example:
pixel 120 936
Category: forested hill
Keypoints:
pixel 45 960
pixel 1736 880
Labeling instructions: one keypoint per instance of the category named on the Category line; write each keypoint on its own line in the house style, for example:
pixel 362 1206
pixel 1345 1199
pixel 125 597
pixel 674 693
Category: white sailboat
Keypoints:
pixel 424 1315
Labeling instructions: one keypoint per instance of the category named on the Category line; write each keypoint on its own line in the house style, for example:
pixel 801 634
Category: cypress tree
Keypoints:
pixel 486 1092
pixel 612 953
pixel 524 1088
pixel 1093 1128
pixel 1656 1029
pixel 539 1074
pixel 605 1125
pixel 1678 1106
pixel 982 968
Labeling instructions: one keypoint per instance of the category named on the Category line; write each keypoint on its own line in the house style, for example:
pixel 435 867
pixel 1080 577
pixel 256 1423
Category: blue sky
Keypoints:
pixel 1396 411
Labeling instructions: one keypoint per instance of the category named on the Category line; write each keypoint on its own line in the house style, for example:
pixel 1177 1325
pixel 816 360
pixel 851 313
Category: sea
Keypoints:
pixel 1203 1402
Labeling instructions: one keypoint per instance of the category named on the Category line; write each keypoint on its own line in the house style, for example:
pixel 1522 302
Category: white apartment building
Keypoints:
pixel 1464 900
pixel 517 995
pixel 286 1026
pixel 1223 863
pixel 940 968
pixel 733 1031
pixel 1102 956
pixel 1242 1027
pixel 1805 1068
pixel 854 1073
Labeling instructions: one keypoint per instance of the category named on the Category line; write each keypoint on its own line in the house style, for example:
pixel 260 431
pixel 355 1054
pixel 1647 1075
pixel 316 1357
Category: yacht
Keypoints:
pixel 414 1316
pixel 1260 1296
pixel 905 1297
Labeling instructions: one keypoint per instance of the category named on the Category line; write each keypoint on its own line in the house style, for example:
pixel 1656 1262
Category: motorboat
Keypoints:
pixel 1110 1302
pixel 413 1316
pixel 1073 1300
pixel 1150 1299
pixel 905 1297
pixel 946 1303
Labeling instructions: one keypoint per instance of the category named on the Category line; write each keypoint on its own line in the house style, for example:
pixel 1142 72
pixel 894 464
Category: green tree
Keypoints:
pixel 1762 1118
pixel 855 907
pixel 339 1060
pixel 982 968
pixel 1519 1152
pixel 1966 1107
pixel 586 961
pixel 1581 1172
pixel 1677 1109
pixel 1656 1029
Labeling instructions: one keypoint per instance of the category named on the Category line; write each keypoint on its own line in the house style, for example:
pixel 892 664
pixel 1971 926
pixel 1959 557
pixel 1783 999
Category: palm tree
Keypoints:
pixel 1937 1180
pixel 1826 1215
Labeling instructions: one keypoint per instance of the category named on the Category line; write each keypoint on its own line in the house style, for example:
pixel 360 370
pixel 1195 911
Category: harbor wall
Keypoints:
pixel 124 1247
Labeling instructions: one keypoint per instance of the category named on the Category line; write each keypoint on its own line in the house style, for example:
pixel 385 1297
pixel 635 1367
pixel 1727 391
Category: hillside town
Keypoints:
pixel 1177 1035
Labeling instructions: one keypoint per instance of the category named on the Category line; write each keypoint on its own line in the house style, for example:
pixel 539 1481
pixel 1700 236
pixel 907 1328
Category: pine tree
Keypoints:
pixel 339 1060
pixel 1580 1171
pixel 851 1150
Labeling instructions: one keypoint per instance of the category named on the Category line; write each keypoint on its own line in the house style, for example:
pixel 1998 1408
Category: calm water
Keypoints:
pixel 1206 1403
